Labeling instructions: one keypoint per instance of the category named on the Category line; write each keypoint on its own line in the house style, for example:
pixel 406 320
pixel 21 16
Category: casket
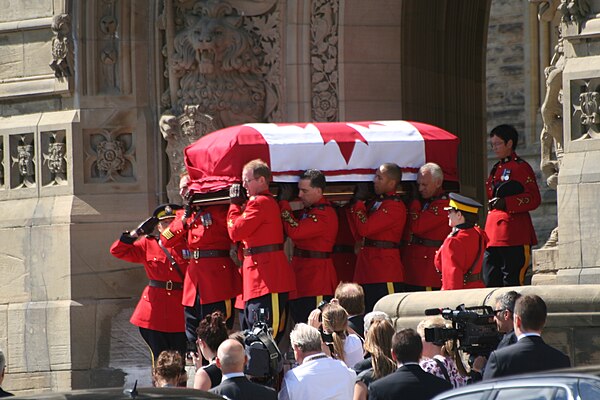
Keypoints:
pixel 346 152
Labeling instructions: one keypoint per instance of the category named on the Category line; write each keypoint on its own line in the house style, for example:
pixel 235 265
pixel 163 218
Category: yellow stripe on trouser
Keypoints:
pixel 151 354
pixel 319 300
pixel 227 309
pixel 275 305
pixel 523 271
pixel 390 287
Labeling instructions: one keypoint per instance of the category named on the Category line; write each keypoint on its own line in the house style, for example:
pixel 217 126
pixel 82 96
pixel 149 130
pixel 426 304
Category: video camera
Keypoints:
pixel 473 327
pixel 265 361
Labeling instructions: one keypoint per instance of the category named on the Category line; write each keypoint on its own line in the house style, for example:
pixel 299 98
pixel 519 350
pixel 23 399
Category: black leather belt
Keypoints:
pixel 425 242
pixel 381 244
pixel 196 254
pixel 311 253
pixel 473 278
pixel 168 285
pixel 343 248
pixel 262 249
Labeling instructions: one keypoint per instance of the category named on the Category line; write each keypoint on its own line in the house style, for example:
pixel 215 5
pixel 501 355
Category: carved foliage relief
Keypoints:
pixel 54 164
pixel 324 60
pixel 110 157
pixel 22 156
pixel 62 46
pixel 108 53
pixel 585 100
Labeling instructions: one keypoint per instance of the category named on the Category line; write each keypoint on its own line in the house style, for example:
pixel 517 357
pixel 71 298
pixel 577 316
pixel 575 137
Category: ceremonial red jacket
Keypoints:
pixel 315 230
pixel 158 309
pixel 458 253
pixel 428 220
pixel 214 278
pixel 512 227
pixel 344 261
pixel 384 220
pixel 258 223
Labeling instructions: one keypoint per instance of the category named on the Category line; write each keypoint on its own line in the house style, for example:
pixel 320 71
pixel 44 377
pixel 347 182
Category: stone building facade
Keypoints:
pixel 88 91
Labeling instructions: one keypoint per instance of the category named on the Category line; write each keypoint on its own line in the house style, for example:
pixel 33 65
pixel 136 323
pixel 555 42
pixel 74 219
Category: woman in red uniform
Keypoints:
pixel 159 313
pixel 460 258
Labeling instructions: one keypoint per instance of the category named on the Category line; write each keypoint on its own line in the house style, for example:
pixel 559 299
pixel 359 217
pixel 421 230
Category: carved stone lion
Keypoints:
pixel 218 66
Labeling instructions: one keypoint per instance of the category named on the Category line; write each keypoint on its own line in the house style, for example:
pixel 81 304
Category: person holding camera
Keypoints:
pixel 317 376
pixel 441 358
pixel 256 222
pixel 460 258
pixel 513 193
pixel 313 234
pixel 332 320
pixel 159 313
pixel 212 280
pixel 380 224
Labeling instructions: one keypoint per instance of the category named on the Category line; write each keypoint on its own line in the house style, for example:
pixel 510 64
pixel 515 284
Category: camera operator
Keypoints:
pixel 332 320
pixel 530 353
pixel 503 315
pixel 317 376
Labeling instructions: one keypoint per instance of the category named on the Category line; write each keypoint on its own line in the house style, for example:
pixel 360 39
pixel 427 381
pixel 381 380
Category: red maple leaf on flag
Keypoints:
pixel 343 134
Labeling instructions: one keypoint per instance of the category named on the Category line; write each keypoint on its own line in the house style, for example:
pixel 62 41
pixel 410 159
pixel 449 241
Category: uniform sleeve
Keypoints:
pixel 423 222
pixel 530 199
pixel 389 214
pixel 127 250
pixel 175 234
pixel 453 265
pixel 242 223
pixel 312 226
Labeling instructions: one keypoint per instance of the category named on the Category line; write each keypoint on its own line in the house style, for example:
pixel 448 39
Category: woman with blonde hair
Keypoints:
pixel 378 343
pixel 441 358
pixel 333 323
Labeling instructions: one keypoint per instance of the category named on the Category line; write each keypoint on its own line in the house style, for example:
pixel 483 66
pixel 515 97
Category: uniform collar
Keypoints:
pixel 512 157
pixel 464 226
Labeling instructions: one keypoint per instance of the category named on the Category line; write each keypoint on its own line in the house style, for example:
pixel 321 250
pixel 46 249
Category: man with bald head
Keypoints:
pixel 231 359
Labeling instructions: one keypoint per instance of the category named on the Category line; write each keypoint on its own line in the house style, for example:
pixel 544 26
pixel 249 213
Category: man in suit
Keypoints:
pixel 3 393
pixel 409 381
pixel 530 353
pixel 352 297
pixel 503 315
pixel 231 358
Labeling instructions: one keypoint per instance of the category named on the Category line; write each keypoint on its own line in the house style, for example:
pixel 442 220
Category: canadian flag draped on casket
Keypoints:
pixel 344 151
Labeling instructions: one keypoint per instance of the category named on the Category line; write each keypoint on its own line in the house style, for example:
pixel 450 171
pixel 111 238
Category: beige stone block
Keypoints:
pixel 371 44
pixel 588 353
pixel 297 51
pixel 590 213
pixel 39 336
pixel 15 273
pixel 37 382
pixel 30 10
pixel 375 12
pixel 11 56
pixel 544 279
pixel 590 171
pixel 545 260
pixel 569 244
pixel 568 276
pixel 37 52
pixel 571 168
pixel 298 85
pixel 365 82
pixel 372 110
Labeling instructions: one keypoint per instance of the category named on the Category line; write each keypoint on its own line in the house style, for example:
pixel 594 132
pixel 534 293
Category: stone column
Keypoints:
pixel 579 177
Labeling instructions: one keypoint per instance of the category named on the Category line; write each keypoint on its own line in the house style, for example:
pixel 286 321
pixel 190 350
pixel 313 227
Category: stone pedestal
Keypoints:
pixel 545 266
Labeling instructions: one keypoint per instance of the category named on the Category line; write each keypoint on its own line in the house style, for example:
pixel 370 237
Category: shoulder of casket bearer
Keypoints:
pixel 166 211
pixel 509 188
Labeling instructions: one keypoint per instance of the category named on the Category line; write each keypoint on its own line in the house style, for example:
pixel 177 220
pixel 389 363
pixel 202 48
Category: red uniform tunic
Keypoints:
pixel 344 257
pixel 383 221
pixel 512 227
pixel 259 224
pixel 158 309
pixel 427 224
pixel 456 256
pixel 315 231
pixel 215 278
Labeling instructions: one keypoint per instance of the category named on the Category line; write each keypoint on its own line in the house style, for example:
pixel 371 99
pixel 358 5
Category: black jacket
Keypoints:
pixel 240 388
pixel 530 354
pixel 408 382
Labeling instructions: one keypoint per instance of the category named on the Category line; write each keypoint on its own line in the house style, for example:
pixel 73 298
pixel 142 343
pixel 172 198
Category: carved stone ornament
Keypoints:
pixel 108 52
pixel 574 10
pixel 56 162
pixel 324 60
pixel 180 132
pixel 217 64
pixel 25 163
pixel 590 108
pixel 112 157
pixel 61 46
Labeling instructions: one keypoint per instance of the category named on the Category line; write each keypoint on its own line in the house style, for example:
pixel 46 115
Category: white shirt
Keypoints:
pixel 318 378
pixel 353 350
pixel 522 335
pixel 232 375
